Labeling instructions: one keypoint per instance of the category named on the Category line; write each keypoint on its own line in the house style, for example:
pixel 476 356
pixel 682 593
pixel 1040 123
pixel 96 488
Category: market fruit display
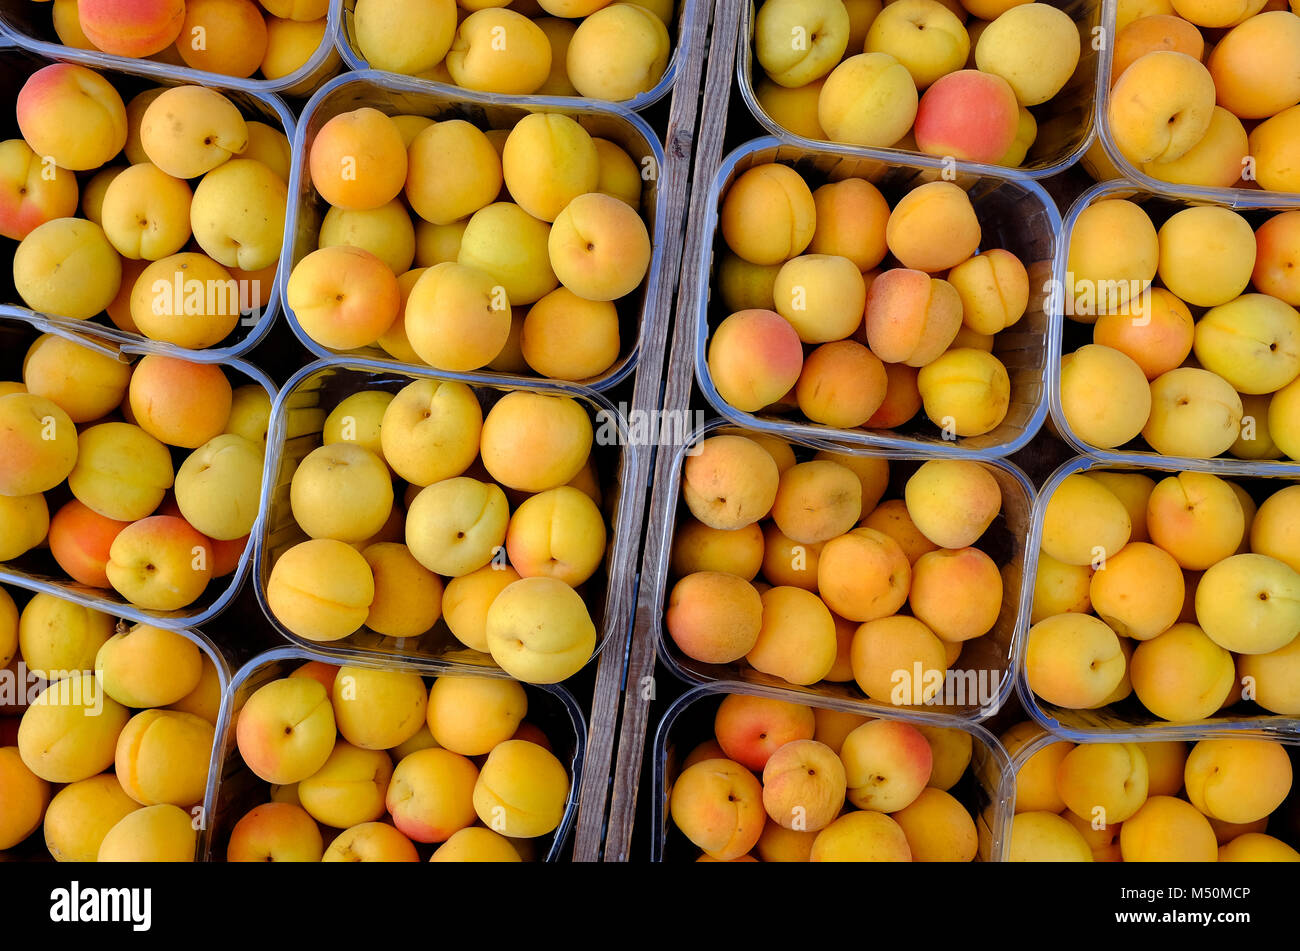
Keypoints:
pixel 1195 341
pixel 519 250
pixel 1159 801
pixel 173 226
pixel 592 49
pixel 852 314
pixel 777 781
pixel 1179 590
pixel 494 525
pixel 381 765
pixel 967 81
pixel 259 39
pixel 800 569
pixel 143 480
pixel 113 734
pixel 1208 94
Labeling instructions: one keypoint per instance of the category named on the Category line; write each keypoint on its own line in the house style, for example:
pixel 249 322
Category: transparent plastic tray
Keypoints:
pixel 1015 214
pixel 689 721
pixel 37 570
pixel 233 789
pixel 1280 824
pixel 296 423
pixel 1129 719
pixel 398 95
pixel 16 64
pixel 221 664
pixel 1232 197
pixel 1160 208
pixel 1065 122
pixel 29 26
pixel 682 40
pixel 989 655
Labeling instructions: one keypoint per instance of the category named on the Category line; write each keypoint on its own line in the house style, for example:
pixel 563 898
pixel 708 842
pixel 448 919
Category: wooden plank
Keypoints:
pixel 679 381
pixel 674 182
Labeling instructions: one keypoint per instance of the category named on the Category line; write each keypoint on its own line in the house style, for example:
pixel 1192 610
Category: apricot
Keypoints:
pixel 539 630
pixel 471 715
pixel 1073 660
pixel 933 227
pixel 321 589
pixel 863 575
pixel 1237 780
pixel 162 757
pixel 898 660
pixel 750 729
pixel 1197 518
pixel 1078 501
pixel 1104 395
pixel 80 816
pixel 1139 591
pixel 160 833
pixel 910 317
pixel 754 358
pixel 965 392
pixel 522 790
pixel 534 442
pixel 1181 674
pixel 69 732
pixel 864 836
pixel 148 667
pixel 952 502
pixel 796 639
pixel 1249 604
pixel 1167 829
pixel 776 196
pixel 714 617
pixel 956 593
pixel 466 599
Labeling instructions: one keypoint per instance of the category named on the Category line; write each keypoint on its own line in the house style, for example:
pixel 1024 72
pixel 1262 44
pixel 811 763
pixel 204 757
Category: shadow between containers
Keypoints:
pixel 1022 347
pixel 233 789
pixel 18 22
pixel 613 624
pixel 991 776
pixel 208 606
pixel 1105 724
pixel 394 94
pixel 998 654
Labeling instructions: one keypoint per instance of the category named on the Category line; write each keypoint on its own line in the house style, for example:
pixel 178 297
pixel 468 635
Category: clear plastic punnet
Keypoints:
pixel 1065 122
pixel 1129 720
pixel 402 95
pixel 37 569
pixel 679 35
pixel 1235 197
pixel 233 789
pixel 979 682
pixel 16 65
pixel 297 421
pixel 1280 823
pixel 1015 214
pixel 29 25
pixel 1064 333
pixel 986 788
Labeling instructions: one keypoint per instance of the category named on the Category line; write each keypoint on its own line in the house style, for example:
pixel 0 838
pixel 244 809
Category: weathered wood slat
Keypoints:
pixel 675 181
pixel 679 379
